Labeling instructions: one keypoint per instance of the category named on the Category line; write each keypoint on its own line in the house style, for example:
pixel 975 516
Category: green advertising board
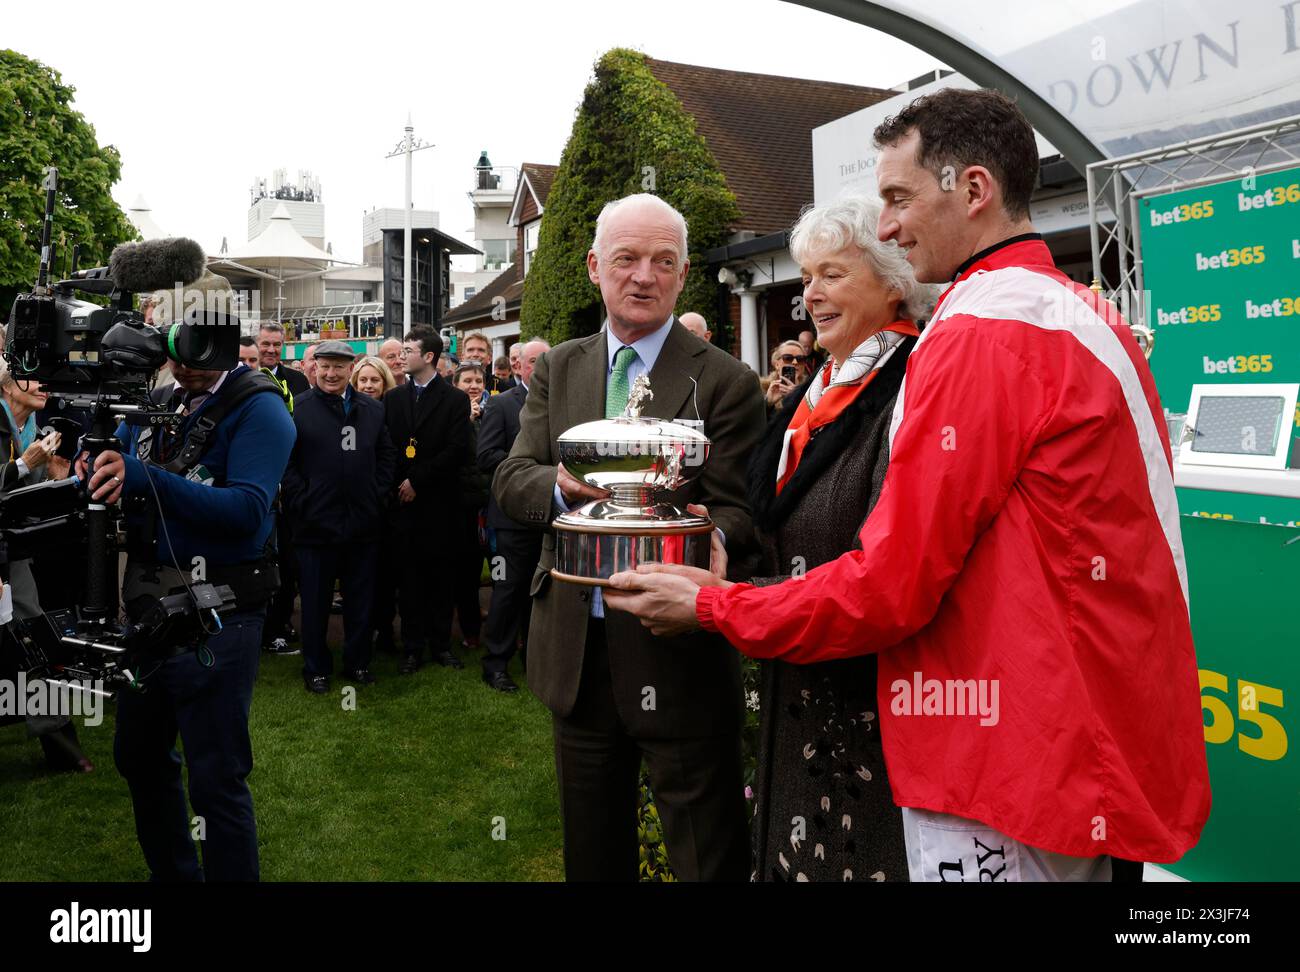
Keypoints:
pixel 1241 578
pixel 1221 271
pixel 1221 267
pixel 294 350
pixel 1241 507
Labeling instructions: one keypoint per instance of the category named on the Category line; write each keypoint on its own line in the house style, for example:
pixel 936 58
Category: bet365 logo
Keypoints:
pixel 1192 314
pixel 1201 209
pixel 1238 364
pixel 1241 256
pixel 1278 307
pixel 1276 196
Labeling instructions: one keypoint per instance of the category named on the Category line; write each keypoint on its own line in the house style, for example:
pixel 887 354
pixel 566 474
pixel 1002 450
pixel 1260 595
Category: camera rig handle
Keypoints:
pixel 50 185
pixel 101 562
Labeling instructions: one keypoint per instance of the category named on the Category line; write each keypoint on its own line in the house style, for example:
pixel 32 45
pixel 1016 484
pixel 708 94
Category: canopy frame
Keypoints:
pixel 1117 185
pixel 1053 125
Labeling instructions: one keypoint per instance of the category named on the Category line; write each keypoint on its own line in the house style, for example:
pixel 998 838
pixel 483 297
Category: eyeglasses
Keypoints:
pixel 793 358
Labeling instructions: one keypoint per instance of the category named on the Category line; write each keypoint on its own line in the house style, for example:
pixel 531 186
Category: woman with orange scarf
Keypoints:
pixel 823 805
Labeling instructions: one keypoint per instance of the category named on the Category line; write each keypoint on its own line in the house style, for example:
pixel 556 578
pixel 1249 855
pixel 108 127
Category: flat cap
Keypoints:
pixel 335 349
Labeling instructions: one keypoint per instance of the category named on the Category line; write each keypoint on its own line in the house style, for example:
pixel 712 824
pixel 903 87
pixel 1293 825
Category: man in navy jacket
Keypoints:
pixel 339 474
pixel 214 522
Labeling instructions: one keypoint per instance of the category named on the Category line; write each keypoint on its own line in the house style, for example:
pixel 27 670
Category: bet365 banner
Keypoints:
pixel 1221 266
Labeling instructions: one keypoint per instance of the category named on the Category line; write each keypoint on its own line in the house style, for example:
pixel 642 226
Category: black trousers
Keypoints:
pixel 697 784
pixel 468 554
pixel 511 606
pixel 1125 872
pixel 353 566
pixel 205 698
pixel 424 598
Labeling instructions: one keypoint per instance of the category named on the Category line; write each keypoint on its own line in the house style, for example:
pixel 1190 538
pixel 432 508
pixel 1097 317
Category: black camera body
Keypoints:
pixel 78 348
pixel 49 335
pixel 104 356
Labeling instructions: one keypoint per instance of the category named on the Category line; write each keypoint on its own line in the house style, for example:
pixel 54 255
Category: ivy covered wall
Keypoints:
pixel 630 135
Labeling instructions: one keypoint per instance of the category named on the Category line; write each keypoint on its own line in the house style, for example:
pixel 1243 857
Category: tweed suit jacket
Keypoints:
pixel 668 688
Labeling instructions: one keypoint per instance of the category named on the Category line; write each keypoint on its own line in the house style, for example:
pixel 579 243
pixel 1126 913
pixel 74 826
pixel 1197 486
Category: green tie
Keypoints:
pixel 617 387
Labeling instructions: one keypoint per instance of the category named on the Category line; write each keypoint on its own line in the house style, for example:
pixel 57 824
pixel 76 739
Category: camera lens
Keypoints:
pixel 206 341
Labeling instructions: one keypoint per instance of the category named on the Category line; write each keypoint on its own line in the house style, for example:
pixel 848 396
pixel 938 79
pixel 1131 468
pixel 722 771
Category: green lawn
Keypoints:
pixel 406 787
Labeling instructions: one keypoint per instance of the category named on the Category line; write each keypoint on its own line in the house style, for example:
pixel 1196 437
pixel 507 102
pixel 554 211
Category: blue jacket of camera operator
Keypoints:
pixel 244 460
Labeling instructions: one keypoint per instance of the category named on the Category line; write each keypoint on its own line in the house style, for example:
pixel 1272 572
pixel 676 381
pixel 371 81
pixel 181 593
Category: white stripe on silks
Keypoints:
pixel 1019 294
pixel 785 455
pixel 897 418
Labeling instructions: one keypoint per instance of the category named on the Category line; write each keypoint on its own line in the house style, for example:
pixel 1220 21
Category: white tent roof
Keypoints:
pixel 279 254
pixel 279 246
pixel 141 218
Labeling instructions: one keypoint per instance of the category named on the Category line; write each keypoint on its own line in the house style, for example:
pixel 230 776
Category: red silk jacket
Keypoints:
pixel 1026 551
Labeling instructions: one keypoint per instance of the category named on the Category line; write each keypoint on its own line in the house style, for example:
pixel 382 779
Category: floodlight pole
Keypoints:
pixel 407 146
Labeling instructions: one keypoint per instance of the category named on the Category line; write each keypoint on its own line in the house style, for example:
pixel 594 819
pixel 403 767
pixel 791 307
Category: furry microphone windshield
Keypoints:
pixel 156 264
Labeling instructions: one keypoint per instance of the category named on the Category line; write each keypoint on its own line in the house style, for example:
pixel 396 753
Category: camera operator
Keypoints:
pixel 207 517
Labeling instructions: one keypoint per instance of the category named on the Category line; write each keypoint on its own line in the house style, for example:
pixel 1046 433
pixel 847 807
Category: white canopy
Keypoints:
pixel 280 246
pixel 278 254
pixel 141 217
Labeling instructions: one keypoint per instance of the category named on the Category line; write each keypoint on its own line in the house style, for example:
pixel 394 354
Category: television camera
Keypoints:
pixel 101 355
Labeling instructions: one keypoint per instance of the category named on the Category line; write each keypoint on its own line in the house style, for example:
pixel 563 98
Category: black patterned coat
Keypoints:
pixel 823 807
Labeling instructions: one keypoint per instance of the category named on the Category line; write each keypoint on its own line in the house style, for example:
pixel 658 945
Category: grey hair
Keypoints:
pixel 852 221
pixel 271 326
pixel 644 200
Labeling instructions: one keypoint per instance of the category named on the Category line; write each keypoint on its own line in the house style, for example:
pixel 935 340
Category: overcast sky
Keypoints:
pixel 201 103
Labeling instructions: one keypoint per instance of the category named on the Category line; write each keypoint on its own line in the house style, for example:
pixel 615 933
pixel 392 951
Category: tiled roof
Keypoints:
pixel 759 128
pixel 509 284
pixel 540 178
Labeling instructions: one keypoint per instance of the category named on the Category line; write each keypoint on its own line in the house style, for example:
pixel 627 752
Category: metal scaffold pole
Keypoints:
pixel 407 146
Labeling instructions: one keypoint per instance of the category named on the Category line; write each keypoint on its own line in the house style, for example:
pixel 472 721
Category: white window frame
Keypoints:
pixel 535 230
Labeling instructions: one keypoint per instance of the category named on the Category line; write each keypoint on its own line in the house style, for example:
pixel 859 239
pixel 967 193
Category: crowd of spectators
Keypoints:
pixel 386 513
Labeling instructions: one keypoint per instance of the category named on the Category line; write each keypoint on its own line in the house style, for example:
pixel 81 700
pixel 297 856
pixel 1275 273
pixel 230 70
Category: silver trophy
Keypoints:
pixel 637 459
